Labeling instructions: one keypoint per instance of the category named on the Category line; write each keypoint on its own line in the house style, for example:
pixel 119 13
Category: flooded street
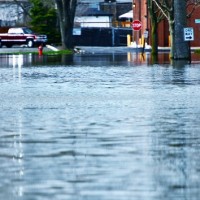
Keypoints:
pixel 99 127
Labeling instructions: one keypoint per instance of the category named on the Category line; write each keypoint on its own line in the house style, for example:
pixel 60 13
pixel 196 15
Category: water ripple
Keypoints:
pixel 86 131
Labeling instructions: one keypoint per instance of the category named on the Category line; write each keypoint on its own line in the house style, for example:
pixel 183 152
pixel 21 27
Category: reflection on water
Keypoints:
pixel 128 58
pixel 99 127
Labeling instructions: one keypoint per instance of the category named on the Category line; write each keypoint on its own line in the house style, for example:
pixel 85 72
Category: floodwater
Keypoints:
pixel 99 127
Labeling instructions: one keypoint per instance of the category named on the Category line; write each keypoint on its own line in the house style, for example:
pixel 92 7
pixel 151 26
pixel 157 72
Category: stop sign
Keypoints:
pixel 136 25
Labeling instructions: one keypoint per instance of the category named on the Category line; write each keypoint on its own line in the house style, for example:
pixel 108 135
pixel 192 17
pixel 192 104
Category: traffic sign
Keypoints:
pixel 136 25
pixel 146 34
pixel 188 34
pixel 197 21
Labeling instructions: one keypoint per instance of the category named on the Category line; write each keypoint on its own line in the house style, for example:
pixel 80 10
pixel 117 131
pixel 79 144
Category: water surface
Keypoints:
pixel 99 127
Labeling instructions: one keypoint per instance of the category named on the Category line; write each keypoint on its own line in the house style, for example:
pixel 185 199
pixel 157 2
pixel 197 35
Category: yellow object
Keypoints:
pixel 169 39
pixel 128 40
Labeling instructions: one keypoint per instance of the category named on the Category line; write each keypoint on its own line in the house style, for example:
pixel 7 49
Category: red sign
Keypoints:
pixel 136 25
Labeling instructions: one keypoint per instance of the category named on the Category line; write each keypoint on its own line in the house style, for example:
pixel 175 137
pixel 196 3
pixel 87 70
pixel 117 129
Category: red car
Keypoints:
pixel 20 36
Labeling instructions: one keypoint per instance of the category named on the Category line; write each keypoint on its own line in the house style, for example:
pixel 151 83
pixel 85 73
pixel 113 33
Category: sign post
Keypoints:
pixel 145 35
pixel 189 36
pixel 136 26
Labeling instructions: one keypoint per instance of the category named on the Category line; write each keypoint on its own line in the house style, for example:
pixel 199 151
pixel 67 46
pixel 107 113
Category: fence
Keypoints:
pixel 98 36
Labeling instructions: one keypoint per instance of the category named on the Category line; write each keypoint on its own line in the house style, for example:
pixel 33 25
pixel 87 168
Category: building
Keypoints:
pixel 194 21
pixel 102 10
pixel 11 13
pixel 104 13
pixel 141 13
pixel 94 18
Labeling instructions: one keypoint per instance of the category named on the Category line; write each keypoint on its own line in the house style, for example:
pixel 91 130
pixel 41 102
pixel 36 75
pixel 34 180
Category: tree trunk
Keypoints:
pixel 154 37
pixel 66 12
pixel 171 30
pixel 154 29
pixel 180 47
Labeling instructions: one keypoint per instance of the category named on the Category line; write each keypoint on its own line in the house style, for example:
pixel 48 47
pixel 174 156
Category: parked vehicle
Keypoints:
pixel 20 36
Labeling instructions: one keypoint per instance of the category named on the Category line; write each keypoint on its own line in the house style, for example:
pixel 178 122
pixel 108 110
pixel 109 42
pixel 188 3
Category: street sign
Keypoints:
pixel 146 34
pixel 188 34
pixel 76 31
pixel 136 25
pixel 197 21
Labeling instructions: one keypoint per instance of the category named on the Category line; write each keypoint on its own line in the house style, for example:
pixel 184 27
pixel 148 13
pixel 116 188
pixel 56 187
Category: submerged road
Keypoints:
pixel 17 49
pixel 86 49
pixel 100 127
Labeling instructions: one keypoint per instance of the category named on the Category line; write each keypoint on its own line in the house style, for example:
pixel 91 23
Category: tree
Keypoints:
pixel 167 9
pixel 155 16
pixel 25 6
pixel 66 12
pixel 192 5
pixel 180 47
pixel 44 20
pixel 175 11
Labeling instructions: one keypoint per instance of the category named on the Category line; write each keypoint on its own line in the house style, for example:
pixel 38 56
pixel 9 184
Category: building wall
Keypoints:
pixel 11 14
pixel 94 21
pixel 102 37
pixel 141 13
pixel 116 8
pixel 196 26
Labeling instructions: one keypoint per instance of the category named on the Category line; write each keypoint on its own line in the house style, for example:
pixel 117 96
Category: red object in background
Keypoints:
pixel 136 25
pixel 40 50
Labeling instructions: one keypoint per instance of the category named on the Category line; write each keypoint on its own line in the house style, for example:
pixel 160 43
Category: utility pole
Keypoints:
pixel 181 48
pixel 133 9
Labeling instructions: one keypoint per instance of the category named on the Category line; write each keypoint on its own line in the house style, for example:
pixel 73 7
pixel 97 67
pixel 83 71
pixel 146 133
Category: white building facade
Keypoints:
pixel 11 13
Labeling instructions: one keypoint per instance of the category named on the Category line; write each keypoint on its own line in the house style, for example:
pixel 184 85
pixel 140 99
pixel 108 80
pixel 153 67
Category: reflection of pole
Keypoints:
pixel 145 37
pixel 143 47
pixel 190 56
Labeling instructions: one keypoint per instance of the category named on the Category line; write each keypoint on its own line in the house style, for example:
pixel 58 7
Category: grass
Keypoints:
pixel 60 52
